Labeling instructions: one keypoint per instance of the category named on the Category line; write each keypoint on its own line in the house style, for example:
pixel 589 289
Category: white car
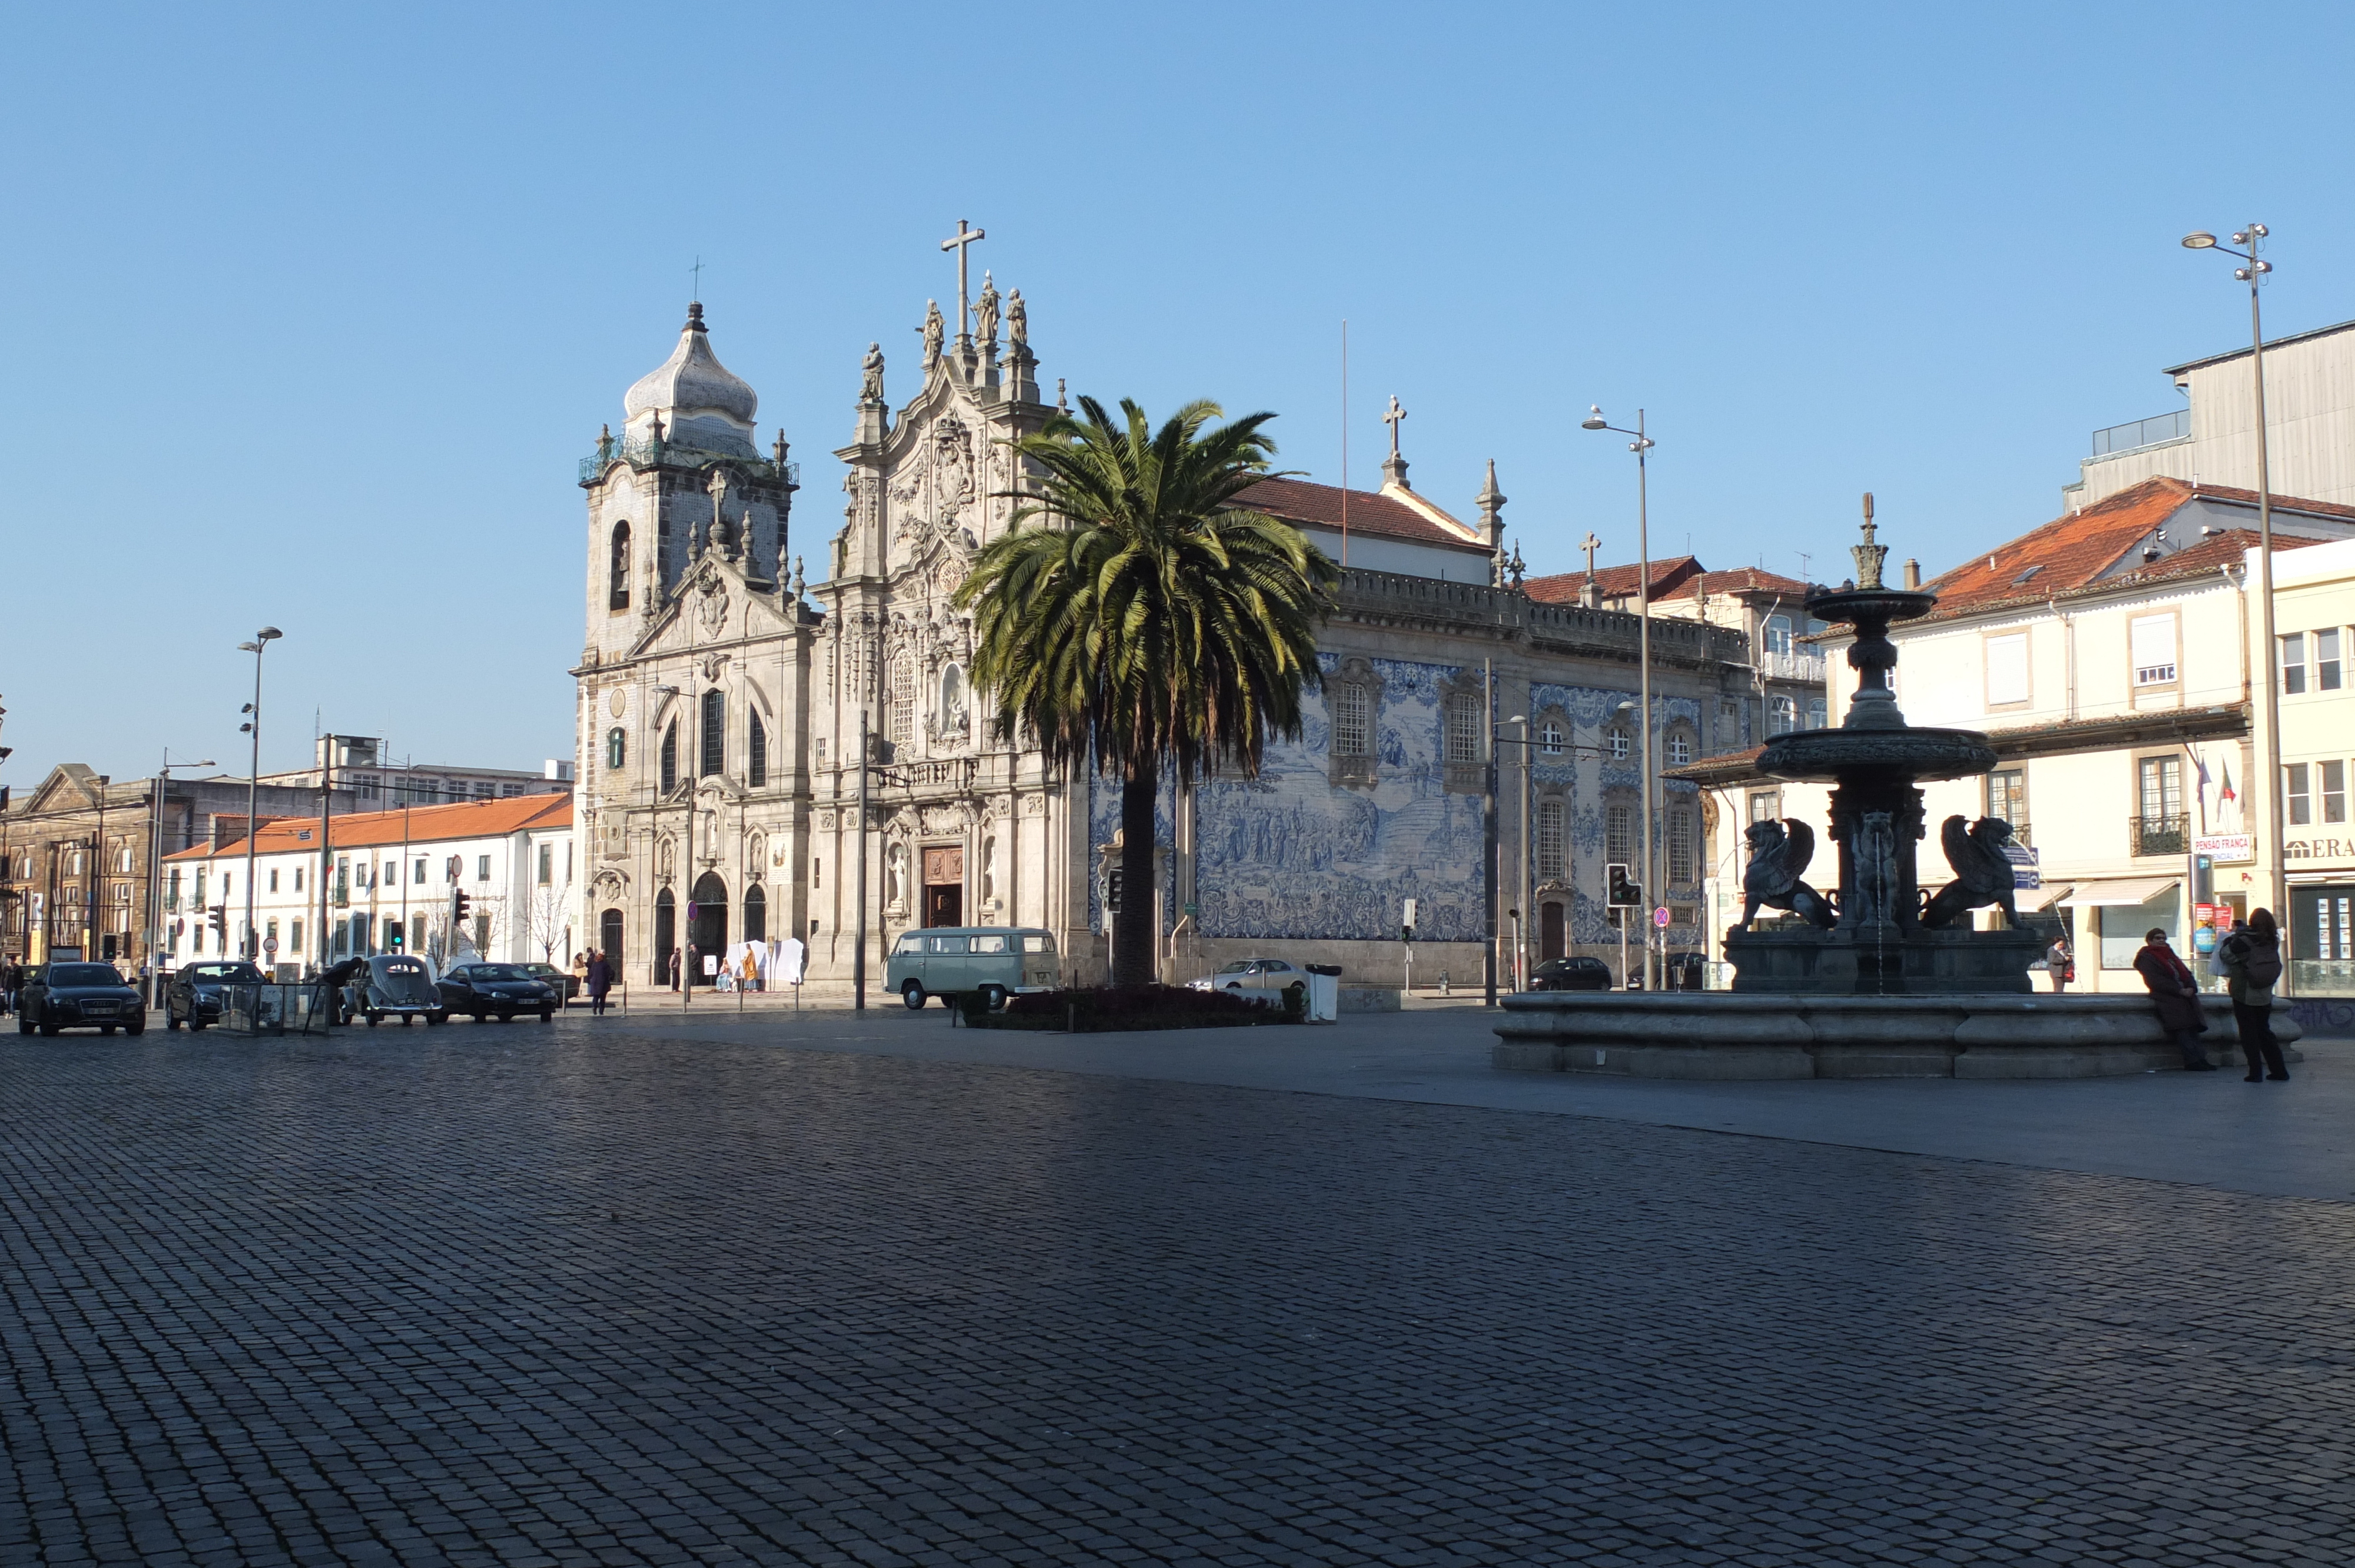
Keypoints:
pixel 1254 974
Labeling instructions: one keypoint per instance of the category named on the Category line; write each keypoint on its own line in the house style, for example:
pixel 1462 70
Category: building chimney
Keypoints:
pixel 1912 573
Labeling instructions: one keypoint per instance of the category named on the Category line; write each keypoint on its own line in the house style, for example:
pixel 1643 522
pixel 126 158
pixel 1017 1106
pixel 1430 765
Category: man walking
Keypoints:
pixel 2176 995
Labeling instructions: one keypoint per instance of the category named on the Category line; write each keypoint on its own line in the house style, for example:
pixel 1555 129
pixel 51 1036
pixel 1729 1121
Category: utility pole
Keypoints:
pixel 858 952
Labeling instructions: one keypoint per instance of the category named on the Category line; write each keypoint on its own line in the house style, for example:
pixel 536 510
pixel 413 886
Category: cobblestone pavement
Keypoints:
pixel 543 1295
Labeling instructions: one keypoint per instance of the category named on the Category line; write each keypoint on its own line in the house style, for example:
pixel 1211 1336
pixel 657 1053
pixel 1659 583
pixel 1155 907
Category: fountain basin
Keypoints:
pixel 1828 756
pixel 1750 1035
pixel 1791 956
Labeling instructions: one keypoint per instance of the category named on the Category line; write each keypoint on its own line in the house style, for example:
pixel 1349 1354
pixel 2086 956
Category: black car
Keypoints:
pixel 495 990
pixel 195 995
pixel 1577 972
pixel 80 996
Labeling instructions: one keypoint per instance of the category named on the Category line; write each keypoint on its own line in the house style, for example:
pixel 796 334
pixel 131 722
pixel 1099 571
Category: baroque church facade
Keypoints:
pixel 722 695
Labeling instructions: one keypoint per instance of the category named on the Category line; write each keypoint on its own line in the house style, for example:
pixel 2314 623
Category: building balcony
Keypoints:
pixel 1800 665
pixel 2159 835
pixel 2135 434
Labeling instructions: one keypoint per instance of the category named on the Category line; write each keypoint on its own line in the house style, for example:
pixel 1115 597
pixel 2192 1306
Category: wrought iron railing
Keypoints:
pixel 2159 835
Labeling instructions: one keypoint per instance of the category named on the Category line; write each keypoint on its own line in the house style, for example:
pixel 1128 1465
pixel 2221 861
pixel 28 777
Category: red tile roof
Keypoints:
pixel 420 824
pixel 1669 576
pixel 1299 500
pixel 2073 553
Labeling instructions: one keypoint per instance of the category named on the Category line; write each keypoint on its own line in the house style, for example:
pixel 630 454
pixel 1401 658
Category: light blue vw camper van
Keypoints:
pixel 949 961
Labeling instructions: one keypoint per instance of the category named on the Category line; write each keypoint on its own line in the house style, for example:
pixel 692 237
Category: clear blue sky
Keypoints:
pixel 309 312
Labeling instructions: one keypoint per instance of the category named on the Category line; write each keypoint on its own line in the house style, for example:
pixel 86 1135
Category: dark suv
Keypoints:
pixel 1577 972
pixel 80 996
pixel 193 997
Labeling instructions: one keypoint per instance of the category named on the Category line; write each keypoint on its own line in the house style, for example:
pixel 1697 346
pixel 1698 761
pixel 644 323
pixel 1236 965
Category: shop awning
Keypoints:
pixel 2044 898
pixel 2111 895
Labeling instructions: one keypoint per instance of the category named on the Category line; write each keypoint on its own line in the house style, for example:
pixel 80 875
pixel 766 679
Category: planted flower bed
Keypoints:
pixel 1109 1009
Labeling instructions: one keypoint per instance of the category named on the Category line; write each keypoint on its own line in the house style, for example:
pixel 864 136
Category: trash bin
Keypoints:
pixel 1687 972
pixel 1324 993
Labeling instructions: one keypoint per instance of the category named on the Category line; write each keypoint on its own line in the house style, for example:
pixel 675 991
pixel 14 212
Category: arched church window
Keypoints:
pixel 904 699
pixel 756 741
pixel 1549 816
pixel 1549 738
pixel 617 573
pixel 1616 743
pixel 715 731
pixel 756 914
pixel 1680 748
pixel 617 749
pixel 1782 715
pixel 670 757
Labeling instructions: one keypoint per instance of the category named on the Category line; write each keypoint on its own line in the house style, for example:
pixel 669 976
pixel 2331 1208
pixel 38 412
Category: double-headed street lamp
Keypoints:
pixel 1640 446
pixel 2252 272
pixel 262 639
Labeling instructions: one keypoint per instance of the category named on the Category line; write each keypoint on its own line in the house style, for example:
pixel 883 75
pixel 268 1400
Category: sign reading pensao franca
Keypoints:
pixel 2226 849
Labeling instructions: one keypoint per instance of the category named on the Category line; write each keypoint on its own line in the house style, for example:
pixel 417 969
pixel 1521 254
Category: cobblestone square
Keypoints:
pixel 596 1293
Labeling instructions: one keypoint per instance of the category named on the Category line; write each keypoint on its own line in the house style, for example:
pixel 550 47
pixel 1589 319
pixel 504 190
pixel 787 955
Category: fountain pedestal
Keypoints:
pixel 1793 956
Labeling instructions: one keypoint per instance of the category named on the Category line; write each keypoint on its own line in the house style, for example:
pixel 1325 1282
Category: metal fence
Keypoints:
pixel 276 1009
pixel 2154 431
pixel 2159 835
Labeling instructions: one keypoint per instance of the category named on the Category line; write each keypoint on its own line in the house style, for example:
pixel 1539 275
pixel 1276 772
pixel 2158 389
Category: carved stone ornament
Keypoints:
pixel 825 822
pixel 713 611
pixel 1034 805
pixel 712 664
pixel 618 700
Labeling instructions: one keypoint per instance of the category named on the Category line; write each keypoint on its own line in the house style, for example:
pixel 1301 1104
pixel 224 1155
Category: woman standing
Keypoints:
pixel 2252 960
pixel 601 981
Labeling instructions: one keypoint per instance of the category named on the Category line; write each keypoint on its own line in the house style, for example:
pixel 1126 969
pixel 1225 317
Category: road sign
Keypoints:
pixel 1409 913
pixel 270 945
pixel 1661 916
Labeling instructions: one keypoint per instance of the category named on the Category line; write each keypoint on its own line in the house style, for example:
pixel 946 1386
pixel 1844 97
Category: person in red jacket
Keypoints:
pixel 2177 996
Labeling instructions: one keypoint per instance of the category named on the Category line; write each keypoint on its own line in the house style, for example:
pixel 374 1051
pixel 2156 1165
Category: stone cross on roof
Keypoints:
pixel 1590 544
pixel 961 242
pixel 1393 419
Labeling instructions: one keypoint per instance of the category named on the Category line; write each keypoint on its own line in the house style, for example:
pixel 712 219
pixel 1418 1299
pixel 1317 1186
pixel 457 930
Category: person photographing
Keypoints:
pixel 2252 961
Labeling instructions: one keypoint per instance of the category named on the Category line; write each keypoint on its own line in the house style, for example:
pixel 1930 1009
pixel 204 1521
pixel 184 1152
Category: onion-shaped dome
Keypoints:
pixel 692 380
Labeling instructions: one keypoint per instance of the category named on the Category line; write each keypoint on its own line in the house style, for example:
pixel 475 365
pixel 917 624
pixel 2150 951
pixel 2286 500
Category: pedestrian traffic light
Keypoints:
pixel 1623 892
pixel 393 936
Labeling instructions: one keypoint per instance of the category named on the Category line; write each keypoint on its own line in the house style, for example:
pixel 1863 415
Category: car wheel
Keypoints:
pixel 1234 985
pixel 482 1017
pixel 374 1019
pixel 912 993
pixel 24 1024
pixel 433 1018
pixel 138 1028
pixel 993 998
pixel 547 1013
pixel 171 1020
pixel 196 1025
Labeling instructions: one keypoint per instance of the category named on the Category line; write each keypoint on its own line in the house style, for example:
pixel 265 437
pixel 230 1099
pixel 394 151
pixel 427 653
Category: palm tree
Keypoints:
pixel 1160 624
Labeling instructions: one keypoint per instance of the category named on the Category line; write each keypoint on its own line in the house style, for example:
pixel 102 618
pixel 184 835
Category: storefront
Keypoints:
pixel 2322 936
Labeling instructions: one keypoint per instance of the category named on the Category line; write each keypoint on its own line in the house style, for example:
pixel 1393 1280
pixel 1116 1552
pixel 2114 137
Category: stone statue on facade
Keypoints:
pixel 1983 873
pixel 871 382
pixel 985 312
pixel 1875 851
pixel 717 488
pixel 1018 318
pixel 1779 853
pixel 935 332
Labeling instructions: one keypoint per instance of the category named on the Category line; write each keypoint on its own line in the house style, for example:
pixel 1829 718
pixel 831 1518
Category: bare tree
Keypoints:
pixel 550 916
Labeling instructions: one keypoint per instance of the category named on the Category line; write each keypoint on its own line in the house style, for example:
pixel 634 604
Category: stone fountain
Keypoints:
pixel 1876 981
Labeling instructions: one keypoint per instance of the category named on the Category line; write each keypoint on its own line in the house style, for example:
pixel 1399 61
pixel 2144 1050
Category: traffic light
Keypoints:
pixel 1112 880
pixel 393 936
pixel 1624 892
pixel 458 903
pixel 217 918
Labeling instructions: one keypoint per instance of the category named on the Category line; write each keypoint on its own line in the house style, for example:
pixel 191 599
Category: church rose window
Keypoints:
pixel 715 732
pixel 1349 738
pixel 1464 728
pixel 756 738
pixel 1548 838
pixel 617 573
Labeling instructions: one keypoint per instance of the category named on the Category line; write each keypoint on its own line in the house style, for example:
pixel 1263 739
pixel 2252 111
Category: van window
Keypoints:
pixel 948 944
pixel 911 943
pixel 1038 944
pixel 989 944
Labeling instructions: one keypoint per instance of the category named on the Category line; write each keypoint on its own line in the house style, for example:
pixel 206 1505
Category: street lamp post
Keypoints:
pixel 252 727
pixel 2254 274
pixel 1641 446
pixel 155 867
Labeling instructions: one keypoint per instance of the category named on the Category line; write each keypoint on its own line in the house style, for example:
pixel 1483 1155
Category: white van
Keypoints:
pixel 949 961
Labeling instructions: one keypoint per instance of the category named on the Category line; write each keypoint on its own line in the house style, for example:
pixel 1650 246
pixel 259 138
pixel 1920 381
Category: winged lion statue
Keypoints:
pixel 1983 873
pixel 1779 853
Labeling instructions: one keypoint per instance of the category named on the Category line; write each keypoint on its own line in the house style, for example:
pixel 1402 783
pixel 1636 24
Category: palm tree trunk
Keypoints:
pixel 1134 942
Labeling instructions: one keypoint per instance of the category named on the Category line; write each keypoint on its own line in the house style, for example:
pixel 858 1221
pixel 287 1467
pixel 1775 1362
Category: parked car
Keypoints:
pixel 195 995
pixel 1254 974
pixel 68 995
pixel 394 985
pixel 500 991
pixel 997 961
pixel 563 982
pixel 1577 972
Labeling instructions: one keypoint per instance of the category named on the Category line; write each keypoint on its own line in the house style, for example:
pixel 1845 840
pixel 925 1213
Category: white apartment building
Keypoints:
pixel 2108 656
pixel 388 878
